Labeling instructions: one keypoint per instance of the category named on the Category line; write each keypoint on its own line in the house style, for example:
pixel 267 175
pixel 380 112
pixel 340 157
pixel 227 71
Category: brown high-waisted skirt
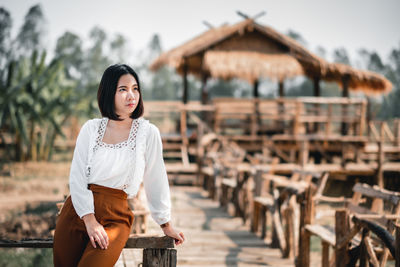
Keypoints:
pixel 71 241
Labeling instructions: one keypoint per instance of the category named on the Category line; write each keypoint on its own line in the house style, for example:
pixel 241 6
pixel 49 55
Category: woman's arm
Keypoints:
pixel 81 196
pixel 156 185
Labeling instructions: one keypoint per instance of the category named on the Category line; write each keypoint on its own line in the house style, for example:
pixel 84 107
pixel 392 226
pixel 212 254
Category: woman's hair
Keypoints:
pixel 108 87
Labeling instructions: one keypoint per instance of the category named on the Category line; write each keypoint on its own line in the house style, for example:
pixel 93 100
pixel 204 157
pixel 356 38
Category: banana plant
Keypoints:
pixel 36 101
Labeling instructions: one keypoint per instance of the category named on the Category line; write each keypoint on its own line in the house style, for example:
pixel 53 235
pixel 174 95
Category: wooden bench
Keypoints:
pixel 349 245
pixel 157 251
pixel 282 206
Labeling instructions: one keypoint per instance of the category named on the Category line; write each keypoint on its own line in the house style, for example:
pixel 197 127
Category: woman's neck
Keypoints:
pixel 125 123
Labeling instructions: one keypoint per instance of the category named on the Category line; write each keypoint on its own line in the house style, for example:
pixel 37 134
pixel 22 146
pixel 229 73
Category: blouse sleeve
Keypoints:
pixel 155 178
pixel 81 196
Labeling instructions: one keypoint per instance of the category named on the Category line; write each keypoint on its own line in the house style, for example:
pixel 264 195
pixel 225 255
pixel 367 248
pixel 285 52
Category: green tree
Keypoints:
pixel 69 48
pixel 31 33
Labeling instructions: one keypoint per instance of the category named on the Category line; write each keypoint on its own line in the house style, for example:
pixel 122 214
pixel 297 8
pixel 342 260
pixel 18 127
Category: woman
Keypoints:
pixel 112 156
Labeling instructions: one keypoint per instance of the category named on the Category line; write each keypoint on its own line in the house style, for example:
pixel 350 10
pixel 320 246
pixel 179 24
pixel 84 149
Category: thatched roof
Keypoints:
pixel 251 66
pixel 249 51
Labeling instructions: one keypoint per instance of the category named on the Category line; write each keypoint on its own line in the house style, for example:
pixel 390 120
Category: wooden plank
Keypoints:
pixel 133 242
pixel 375 192
pixel 325 234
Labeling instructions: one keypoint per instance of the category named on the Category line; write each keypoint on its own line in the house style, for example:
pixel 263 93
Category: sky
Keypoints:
pixel 352 24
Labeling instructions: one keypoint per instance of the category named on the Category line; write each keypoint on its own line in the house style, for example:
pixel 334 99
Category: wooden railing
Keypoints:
pixel 157 251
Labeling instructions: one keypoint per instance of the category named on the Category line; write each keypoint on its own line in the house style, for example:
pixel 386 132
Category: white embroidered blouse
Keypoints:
pixel 122 166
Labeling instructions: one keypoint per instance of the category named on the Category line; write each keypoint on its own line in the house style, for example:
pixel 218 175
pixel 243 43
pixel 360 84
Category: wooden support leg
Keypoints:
pixel 303 259
pixel 263 213
pixel 256 217
pixel 341 228
pixel 397 244
pixel 159 257
pixel 325 254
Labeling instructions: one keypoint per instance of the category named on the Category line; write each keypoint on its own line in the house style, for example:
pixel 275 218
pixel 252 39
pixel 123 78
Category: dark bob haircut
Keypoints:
pixel 108 88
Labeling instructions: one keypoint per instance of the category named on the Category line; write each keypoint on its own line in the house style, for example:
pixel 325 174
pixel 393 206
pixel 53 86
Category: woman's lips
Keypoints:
pixel 131 105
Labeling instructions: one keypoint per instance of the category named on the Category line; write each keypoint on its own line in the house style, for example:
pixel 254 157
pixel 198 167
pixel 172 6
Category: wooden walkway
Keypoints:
pixel 213 238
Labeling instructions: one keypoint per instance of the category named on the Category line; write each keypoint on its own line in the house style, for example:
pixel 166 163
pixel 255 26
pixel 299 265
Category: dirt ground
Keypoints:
pixel 28 195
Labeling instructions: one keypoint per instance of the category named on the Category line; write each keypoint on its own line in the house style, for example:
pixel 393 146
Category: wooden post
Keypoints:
pixel 306 204
pixel 363 118
pixel 281 89
pixel 341 228
pixel 328 128
pixel 185 82
pixel 304 152
pixel 345 93
pixel 255 89
pixel 381 159
pixel 204 90
pixel 159 257
pixel 317 89
pixel 397 132
pixel 317 93
pixel 325 254
pixel 397 246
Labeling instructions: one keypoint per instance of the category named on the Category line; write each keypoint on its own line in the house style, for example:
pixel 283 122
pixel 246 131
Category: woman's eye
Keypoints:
pixel 122 89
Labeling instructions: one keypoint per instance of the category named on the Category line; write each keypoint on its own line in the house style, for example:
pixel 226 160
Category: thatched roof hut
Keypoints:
pixel 250 51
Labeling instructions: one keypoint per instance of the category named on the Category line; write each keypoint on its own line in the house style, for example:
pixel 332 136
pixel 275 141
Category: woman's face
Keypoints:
pixel 126 96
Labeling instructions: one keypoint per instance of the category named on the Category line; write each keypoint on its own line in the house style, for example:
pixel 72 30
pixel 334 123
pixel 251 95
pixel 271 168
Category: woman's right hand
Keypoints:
pixel 95 231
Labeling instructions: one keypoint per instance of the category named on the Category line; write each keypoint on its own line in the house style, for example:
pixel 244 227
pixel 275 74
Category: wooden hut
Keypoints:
pixel 251 51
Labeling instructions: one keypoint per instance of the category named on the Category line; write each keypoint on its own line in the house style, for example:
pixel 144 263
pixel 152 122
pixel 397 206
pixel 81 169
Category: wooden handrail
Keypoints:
pixel 161 248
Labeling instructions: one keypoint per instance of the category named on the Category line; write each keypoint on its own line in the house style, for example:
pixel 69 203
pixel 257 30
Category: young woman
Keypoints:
pixel 112 156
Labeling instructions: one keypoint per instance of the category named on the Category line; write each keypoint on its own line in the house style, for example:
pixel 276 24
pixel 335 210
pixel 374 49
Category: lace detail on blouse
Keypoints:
pixel 130 142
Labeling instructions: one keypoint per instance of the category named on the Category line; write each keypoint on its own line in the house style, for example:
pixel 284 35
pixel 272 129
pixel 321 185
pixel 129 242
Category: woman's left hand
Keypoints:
pixel 175 234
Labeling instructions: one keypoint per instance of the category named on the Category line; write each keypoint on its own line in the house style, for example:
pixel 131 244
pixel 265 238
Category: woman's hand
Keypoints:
pixel 95 231
pixel 171 232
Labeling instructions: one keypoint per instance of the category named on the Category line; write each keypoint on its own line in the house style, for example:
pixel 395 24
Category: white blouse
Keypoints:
pixel 122 166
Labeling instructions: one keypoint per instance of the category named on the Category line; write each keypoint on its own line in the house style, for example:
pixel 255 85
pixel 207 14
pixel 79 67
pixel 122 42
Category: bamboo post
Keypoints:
pixel 341 228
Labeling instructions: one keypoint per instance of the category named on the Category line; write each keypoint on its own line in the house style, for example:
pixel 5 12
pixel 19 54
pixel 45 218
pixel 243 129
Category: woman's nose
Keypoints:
pixel 131 95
